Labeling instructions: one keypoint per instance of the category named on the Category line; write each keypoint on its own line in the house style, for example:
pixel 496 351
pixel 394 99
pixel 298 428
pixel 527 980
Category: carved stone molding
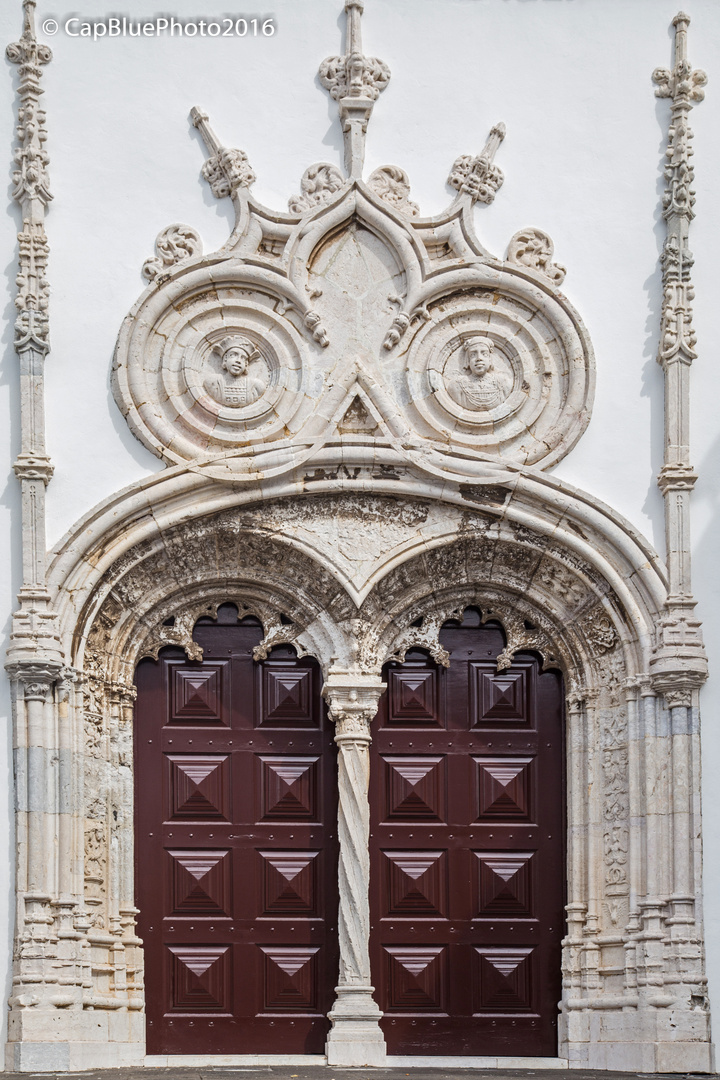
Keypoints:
pixel 226 171
pixel 355 81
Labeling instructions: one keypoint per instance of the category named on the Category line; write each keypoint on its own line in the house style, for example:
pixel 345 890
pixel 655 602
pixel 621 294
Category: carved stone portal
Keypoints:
pixel 378 396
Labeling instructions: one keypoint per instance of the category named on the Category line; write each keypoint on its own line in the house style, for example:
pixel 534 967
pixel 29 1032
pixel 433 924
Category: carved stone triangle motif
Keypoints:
pixel 356 419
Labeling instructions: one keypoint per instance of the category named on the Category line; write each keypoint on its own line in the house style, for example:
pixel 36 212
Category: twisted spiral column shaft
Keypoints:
pixel 355 1037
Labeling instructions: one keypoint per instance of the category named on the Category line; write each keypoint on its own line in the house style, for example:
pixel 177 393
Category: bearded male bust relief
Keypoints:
pixel 236 385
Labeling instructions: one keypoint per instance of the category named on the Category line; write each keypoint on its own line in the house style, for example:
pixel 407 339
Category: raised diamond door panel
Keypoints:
pixel 287 697
pixel 503 788
pixel 236 849
pixel 290 979
pixel 504 884
pixel 499 697
pixel 197 787
pixel 416 979
pixel 414 787
pixel 290 882
pixel 201 882
pixel 503 980
pixel 200 979
pixel 413 696
pixel 288 787
pixel 416 882
pixel 198 696
pixel 467 862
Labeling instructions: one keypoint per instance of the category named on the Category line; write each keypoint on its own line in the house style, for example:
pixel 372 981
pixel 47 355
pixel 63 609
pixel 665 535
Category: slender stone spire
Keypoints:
pixel 680 663
pixel 34 629
pixel 227 171
pixel 355 81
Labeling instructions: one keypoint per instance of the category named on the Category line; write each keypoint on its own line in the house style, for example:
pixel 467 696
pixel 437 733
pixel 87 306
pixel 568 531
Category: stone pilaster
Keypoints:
pixel 355 1037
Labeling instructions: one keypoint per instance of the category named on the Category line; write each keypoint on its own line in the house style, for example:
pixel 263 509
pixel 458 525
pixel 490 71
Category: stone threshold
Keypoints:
pixel 313 1067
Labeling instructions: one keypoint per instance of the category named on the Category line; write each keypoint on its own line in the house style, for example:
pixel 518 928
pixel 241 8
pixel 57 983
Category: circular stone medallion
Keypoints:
pixel 200 376
pixel 491 371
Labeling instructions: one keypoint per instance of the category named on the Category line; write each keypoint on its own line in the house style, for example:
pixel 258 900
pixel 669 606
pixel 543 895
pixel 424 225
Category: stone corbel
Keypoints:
pixel 355 1037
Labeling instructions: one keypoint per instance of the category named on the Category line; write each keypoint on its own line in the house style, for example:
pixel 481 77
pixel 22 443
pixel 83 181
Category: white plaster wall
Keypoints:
pixel 582 159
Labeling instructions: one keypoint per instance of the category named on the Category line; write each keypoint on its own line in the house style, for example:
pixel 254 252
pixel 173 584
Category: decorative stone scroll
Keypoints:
pixel 318 186
pixel 174 244
pixel 534 249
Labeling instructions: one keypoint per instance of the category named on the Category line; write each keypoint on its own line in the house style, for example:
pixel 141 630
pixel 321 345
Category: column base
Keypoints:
pixel 355 1037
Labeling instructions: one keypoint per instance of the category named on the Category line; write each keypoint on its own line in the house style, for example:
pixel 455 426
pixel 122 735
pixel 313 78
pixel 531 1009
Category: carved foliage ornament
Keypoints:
pixel 460 351
pixel 174 244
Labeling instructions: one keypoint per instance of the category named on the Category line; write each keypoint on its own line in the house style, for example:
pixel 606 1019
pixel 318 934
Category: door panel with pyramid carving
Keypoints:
pixel 236 856
pixel 467 869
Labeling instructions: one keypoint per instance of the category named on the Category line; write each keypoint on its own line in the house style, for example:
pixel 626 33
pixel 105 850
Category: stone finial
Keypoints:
pixel 355 81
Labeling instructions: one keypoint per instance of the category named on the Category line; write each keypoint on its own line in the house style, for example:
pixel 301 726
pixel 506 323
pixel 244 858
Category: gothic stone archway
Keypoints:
pixel 554 592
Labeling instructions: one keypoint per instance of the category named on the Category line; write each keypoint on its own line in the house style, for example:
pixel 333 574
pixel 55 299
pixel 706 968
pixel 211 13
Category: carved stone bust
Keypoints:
pixel 479 385
pixel 238 383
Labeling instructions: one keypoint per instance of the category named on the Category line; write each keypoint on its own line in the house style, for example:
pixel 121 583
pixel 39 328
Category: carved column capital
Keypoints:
pixel 352 704
pixel 639 685
pixel 35 679
pixel 579 699
pixel 677 687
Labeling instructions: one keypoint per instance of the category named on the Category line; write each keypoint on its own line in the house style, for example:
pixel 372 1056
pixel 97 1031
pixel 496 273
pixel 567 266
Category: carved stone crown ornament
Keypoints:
pixel 455 356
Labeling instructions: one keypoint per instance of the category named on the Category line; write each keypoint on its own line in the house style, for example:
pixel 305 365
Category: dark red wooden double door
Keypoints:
pixel 467 873
pixel 236 856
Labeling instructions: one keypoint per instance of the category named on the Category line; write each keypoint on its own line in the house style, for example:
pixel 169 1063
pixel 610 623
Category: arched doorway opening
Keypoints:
pixel 236 845
pixel 467 852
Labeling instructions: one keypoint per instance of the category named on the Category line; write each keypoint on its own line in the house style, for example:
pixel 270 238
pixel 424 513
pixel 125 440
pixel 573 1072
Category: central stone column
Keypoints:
pixel 355 1037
